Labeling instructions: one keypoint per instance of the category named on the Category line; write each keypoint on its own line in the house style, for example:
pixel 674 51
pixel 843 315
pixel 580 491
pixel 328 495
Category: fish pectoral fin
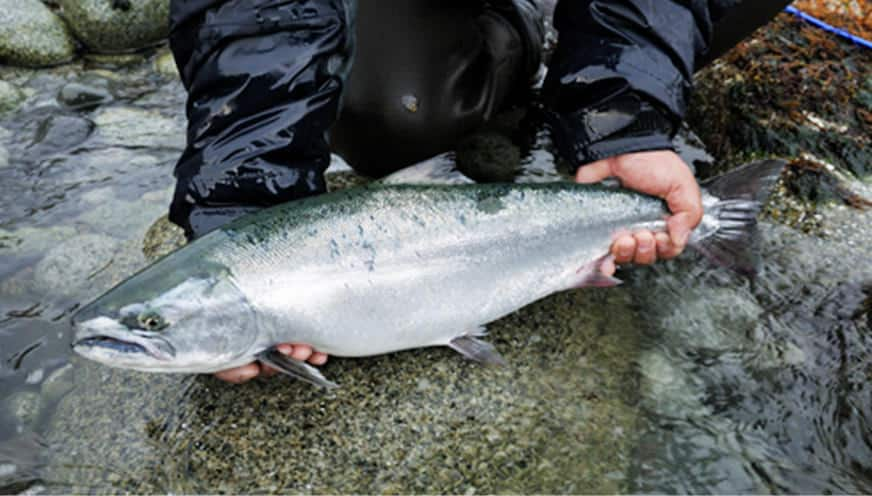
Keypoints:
pixel 475 349
pixel 295 368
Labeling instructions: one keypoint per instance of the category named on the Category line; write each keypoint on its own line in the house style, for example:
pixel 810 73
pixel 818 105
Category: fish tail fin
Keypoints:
pixel 737 198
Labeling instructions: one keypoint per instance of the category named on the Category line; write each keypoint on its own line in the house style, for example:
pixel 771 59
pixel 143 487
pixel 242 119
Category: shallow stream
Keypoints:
pixel 686 379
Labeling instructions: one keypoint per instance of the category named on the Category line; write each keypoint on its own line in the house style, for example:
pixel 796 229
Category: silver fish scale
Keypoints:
pixel 386 268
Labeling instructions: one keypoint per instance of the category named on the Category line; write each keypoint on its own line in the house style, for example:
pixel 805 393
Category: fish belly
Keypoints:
pixel 429 302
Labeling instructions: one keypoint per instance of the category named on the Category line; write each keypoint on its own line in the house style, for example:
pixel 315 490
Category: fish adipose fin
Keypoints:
pixel 475 349
pixel 295 368
pixel 736 199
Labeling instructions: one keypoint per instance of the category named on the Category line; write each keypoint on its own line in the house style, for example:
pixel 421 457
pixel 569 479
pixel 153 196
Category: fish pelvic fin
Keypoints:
pixel 591 275
pixel 738 197
pixel 295 368
pixel 476 349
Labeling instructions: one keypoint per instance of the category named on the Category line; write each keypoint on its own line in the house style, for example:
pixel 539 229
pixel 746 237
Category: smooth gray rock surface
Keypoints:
pixel 31 35
pixel 132 127
pixel 111 26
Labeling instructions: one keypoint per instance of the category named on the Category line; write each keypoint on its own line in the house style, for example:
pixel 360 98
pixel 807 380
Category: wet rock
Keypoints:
pixel 107 26
pixel 162 238
pixel 58 384
pixel 121 219
pixel 71 265
pixel 25 407
pixel 57 133
pixel 165 65
pixel 113 61
pixel 31 35
pixel 132 127
pixel 78 96
pixel 32 240
pixel 10 97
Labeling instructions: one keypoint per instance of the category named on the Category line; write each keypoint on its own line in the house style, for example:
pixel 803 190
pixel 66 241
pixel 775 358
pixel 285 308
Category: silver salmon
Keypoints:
pixel 384 268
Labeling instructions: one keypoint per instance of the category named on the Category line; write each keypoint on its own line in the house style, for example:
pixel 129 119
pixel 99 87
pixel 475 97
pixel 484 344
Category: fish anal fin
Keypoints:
pixel 476 349
pixel 591 275
pixel 295 368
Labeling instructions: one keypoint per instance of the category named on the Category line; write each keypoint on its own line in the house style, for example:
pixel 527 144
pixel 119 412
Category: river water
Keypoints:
pixel 686 379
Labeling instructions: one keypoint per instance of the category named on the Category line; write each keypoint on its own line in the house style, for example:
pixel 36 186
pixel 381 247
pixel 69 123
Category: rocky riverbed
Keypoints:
pixel 685 379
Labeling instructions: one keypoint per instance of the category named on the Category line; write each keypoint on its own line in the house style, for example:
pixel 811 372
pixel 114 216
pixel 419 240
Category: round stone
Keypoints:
pixel 111 26
pixel 78 96
pixel 31 35
pixel 162 238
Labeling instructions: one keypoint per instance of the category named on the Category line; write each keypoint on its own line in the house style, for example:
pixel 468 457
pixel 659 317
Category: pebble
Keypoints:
pixel 24 406
pixel 57 133
pixel 78 96
pixel 165 65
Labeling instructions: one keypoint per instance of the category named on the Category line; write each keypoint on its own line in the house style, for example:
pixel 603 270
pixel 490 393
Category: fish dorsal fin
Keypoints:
pixel 295 368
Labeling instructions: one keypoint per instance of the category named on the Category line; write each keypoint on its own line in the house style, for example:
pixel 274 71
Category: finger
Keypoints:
pixel 646 248
pixel 318 358
pixel 239 375
pixel 301 352
pixel 685 202
pixel 624 248
pixel 267 371
pixel 665 249
pixel 594 173
pixel 608 267
pixel 680 226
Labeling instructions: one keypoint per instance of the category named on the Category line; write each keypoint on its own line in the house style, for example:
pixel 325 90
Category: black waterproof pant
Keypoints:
pixel 267 80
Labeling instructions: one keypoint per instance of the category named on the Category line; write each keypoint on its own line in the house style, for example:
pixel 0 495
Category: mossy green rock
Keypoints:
pixel 10 97
pixel 31 35
pixel 109 26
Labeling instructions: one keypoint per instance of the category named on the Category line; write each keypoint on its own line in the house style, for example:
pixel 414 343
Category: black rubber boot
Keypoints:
pixel 429 72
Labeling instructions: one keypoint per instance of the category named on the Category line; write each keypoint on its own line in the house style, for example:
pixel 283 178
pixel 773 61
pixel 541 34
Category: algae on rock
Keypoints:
pixel 31 35
pixel 109 26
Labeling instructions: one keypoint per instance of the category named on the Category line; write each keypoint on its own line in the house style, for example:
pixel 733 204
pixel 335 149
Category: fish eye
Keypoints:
pixel 152 321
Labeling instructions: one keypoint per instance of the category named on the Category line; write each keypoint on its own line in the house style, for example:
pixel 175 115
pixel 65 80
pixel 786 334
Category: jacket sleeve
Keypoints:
pixel 620 79
pixel 264 81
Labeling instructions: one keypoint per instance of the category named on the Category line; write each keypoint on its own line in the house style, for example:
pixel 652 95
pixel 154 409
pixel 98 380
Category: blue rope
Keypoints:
pixel 826 27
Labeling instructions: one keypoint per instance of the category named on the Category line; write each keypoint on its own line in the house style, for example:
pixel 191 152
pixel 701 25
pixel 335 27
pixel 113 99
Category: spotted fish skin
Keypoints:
pixel 384 268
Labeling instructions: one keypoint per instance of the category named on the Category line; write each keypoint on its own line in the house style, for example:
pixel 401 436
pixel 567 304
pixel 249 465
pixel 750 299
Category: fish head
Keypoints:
pixel 160 322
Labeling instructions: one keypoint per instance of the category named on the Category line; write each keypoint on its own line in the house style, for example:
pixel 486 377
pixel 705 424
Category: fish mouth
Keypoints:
pixel 106 334
pixel 111 343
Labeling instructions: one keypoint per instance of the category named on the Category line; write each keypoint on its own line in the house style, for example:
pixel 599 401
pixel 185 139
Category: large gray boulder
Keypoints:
pixel 111 26
pixel 31 35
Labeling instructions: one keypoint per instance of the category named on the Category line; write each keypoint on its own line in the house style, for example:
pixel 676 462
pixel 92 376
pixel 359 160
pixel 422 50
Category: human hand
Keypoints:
pixel 658 173
pixel 248 372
